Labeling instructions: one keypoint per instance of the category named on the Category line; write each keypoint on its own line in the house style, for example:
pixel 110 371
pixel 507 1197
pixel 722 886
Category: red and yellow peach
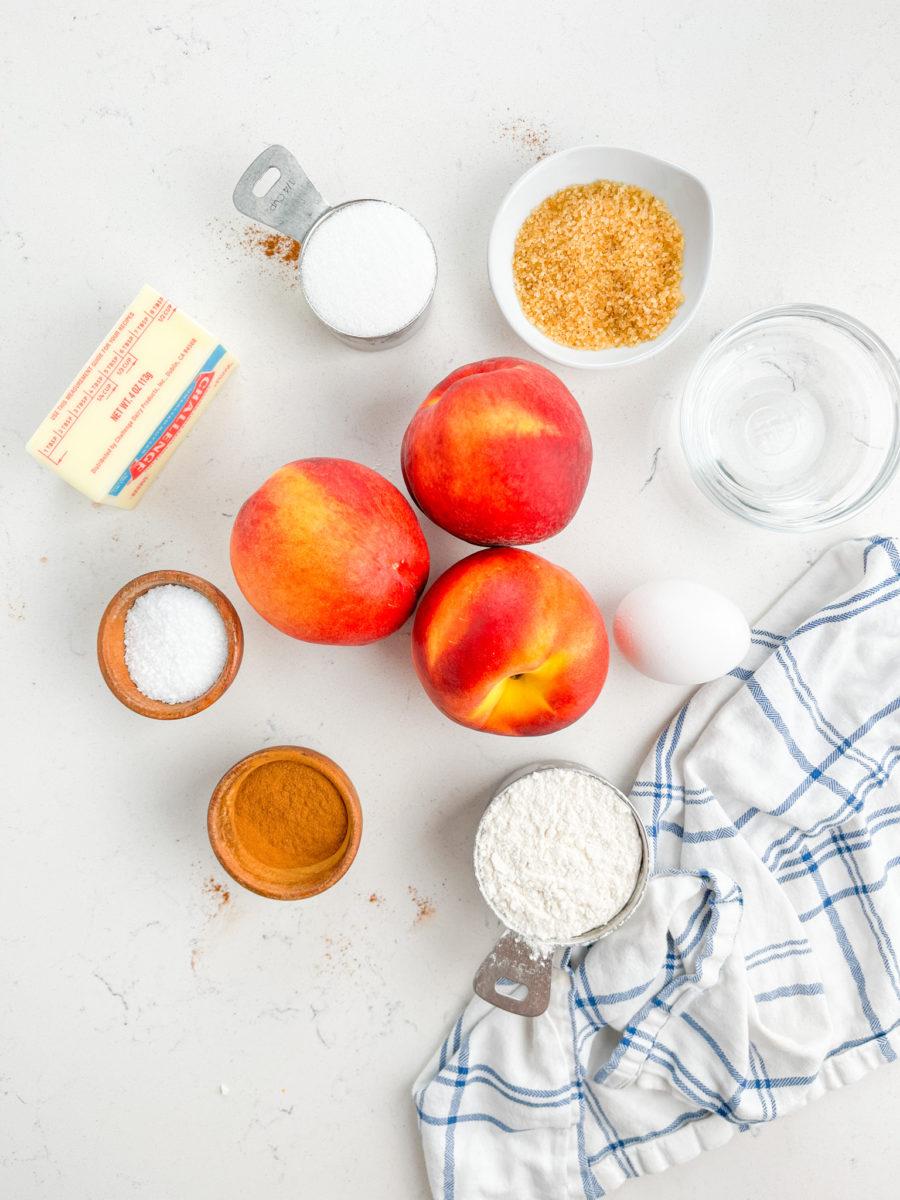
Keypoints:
pixel 507 642
pixel 329 551
pixel 498 454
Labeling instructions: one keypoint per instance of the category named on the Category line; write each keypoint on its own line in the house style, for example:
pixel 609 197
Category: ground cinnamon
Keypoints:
pixel 289 815
pixel 274 250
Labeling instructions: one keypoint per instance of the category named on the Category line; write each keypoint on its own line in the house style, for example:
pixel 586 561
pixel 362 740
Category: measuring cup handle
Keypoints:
pixel 517 962
pixel 292 205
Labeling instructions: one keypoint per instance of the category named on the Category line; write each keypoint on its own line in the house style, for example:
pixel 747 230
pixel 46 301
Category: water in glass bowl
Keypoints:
pixel 791 417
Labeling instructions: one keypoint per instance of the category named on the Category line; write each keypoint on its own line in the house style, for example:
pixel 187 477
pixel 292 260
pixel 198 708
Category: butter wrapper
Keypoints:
pixel 131 404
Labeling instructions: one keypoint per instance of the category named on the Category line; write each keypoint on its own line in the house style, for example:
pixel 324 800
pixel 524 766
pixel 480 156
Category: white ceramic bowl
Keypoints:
pixel 686 198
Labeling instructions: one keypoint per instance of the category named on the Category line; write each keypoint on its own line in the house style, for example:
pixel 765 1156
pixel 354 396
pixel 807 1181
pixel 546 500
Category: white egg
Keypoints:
pixel 677 631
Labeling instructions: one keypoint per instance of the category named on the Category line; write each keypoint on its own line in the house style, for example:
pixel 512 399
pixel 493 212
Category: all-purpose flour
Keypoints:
pixel 558 853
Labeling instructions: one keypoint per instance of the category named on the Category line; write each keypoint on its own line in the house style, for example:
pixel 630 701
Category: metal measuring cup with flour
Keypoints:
pixel 562 858
pixel 368 268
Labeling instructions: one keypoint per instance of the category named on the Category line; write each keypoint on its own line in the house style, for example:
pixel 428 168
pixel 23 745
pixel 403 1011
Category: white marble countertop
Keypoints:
pixel 165 1033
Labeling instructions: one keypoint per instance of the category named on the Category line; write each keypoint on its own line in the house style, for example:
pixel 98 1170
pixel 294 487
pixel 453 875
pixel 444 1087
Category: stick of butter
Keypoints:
pixel 130 405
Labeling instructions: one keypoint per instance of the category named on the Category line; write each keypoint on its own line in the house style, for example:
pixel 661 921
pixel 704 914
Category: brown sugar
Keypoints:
pixel 599 265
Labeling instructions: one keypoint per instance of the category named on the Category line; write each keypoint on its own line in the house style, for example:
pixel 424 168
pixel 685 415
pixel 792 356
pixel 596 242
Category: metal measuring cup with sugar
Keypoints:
pixel 518 958
pixel 292 205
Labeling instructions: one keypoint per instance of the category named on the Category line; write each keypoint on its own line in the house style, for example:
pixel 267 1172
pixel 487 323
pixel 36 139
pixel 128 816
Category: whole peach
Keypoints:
pixel 498 454
pixel 507 642
pixel 329 551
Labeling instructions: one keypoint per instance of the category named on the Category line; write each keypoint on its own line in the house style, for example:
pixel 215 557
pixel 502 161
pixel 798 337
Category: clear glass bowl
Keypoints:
pixel 791 418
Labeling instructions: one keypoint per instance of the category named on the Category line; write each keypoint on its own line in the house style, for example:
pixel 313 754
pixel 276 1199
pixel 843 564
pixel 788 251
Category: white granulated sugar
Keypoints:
pixel 557 854
pixel 368 269
pixel 176 644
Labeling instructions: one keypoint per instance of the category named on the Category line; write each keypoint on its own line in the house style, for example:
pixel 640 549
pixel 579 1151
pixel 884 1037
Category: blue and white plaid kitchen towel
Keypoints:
pixel 761 968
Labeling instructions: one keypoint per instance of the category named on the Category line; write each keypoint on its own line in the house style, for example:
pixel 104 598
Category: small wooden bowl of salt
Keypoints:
pixel 169 644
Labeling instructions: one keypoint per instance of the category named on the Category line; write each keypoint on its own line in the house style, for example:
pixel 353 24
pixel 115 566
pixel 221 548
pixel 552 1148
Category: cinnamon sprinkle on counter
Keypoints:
pixel 217 890
pixel 533 138
pixel 425 907
pixel 255 241
pixel 274 245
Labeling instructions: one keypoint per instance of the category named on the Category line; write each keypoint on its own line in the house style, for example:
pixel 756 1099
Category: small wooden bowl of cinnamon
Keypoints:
pixel 285 822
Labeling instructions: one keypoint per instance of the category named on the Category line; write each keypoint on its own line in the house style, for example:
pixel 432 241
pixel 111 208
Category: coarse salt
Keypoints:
pixel 368 269
pixel 176 644
pixel 558 853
